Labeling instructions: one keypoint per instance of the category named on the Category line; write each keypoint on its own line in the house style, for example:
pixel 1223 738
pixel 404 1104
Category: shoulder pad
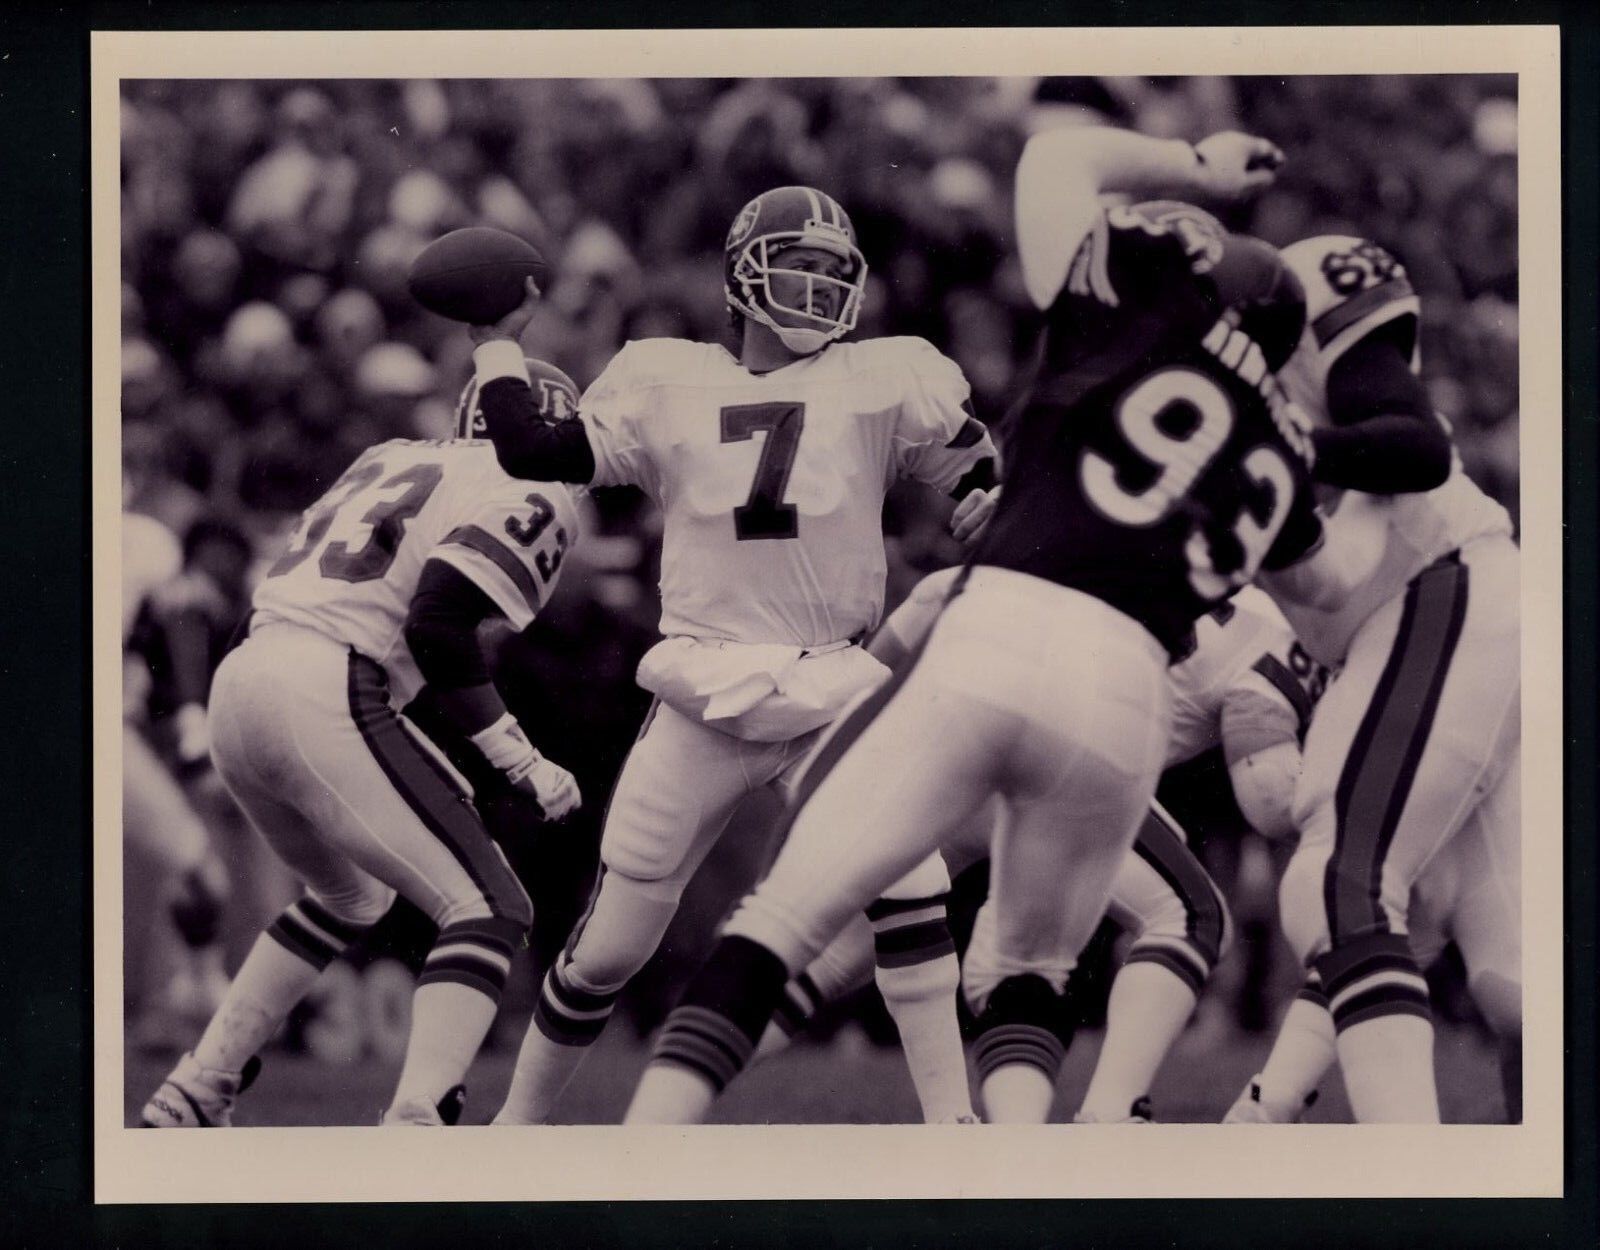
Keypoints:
pixel 651 362
pixel 1352 286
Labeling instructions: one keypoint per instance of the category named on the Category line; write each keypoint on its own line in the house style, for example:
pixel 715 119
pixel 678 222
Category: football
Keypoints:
pixel 475 275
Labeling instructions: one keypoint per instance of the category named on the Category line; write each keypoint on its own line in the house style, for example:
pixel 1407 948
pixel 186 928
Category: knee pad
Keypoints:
pixel 622 929
pixel 1024 1021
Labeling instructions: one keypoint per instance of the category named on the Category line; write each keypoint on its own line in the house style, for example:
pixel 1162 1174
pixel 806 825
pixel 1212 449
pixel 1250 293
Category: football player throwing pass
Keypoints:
pixel 770 468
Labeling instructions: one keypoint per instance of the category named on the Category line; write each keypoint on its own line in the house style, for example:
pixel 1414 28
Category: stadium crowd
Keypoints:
pixel 267 228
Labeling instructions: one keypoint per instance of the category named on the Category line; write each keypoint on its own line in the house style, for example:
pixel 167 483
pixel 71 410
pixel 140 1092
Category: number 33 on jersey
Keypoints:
pixel 352 564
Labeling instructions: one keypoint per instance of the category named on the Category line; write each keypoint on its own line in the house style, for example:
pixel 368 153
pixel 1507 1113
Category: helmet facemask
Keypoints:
pixel 750 279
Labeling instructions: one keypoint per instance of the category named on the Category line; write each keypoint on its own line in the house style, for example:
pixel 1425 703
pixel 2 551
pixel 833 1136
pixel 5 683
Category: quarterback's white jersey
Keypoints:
pixel 354 561
pixel 772 485
pixel 150 556
pixel 1352 287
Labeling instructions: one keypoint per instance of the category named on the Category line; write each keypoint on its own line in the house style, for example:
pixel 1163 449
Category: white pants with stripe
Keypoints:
pixel 1416 741
pixel 342 790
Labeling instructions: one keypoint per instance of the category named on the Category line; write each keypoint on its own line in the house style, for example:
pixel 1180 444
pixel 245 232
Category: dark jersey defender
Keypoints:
pixel 1154 464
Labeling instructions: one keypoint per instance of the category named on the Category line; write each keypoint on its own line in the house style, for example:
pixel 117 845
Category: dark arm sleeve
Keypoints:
pixel 526 444
pixel 1252 279
pixel 1385 437
pixel 441 630
pixel 1302 529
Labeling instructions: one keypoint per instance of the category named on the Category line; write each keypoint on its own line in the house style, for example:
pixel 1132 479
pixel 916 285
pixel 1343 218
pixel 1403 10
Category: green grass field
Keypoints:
pixel 844 1081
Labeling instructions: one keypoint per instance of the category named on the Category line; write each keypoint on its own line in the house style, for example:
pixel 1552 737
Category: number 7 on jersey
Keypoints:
pixel 764 514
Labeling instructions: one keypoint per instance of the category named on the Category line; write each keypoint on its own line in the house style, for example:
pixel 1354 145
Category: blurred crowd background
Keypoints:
pixel 267 228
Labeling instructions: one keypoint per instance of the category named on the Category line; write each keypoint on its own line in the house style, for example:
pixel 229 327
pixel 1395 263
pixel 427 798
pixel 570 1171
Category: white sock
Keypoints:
pixel 1017 1093
pixel 269 984
pixel 448 1024
pixel 1148 1009
pixel 544 1070
pixel 922 999
pixel 670 1094
pixel 1388 1070
pixel 1301 1055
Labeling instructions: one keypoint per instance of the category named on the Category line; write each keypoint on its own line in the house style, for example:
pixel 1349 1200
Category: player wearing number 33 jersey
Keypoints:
pixel 770 469
pixel 382 588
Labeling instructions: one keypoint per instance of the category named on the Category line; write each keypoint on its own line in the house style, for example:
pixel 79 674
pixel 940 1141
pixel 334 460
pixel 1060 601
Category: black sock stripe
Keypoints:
pixel 429 791
pixel 473 977
pixel 1381 767
pixel 466 961
pixel 1313 994
pixel 1359 957
pixel 883 908
pixel 501 936
pixel 913 943
pixel 299 941
pixel 706 1042
pixel 564 1030
pixel 317 914
pixel 1381 1000
pixel 1019 1043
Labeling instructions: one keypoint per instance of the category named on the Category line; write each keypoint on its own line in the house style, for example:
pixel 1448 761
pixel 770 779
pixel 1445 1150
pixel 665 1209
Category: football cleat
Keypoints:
pixel 1138 1113
pixel 197 1097
pixel 1248 1108
pixel 420 1113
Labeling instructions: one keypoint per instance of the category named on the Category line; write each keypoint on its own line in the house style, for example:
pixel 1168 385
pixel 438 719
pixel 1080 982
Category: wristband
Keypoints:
pixel 504 744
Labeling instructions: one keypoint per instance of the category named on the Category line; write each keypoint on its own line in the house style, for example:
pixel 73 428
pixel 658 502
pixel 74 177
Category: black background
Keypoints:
pixel 45 995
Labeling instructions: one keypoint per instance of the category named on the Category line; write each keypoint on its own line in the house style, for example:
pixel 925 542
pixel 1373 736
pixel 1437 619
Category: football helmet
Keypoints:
pixel 791 217
pixel 555 393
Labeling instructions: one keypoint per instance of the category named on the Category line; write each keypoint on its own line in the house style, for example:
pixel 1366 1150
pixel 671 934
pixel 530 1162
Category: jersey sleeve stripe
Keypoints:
pixel 969 435
pixel 485 544
pixel 1286 684
pixel 491 581
pixel 1340 318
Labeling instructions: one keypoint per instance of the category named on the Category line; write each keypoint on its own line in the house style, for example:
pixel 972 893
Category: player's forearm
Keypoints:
pixel 1385 455
pixel 1099 160
pixel 526 445
pixel 441 631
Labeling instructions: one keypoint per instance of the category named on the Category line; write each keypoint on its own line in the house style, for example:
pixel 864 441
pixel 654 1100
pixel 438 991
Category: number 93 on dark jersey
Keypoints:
pixel 1154 464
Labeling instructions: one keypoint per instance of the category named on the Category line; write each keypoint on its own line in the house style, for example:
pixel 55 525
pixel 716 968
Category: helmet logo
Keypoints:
pixel 827 235
pixel 556 402
pixel 744 223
